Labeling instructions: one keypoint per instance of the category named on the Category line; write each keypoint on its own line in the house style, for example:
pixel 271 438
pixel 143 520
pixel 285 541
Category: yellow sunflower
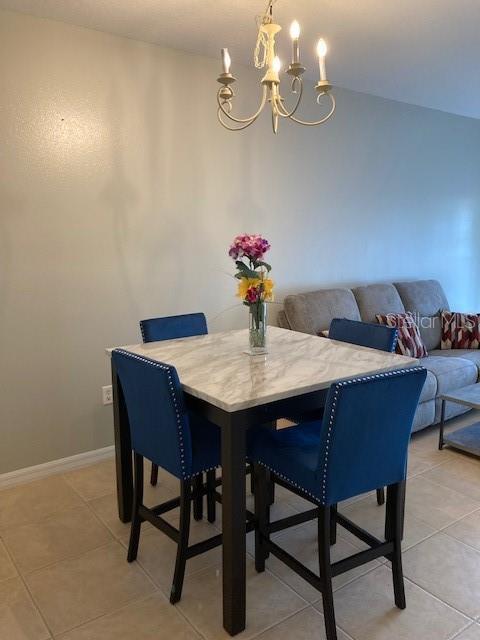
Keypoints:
pixel 244 285
pixel 268 285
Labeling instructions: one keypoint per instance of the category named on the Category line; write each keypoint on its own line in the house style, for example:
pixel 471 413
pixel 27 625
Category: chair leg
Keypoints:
pixel 394 532
pixel 326 571
pixel 137 501
pixel 262 515
pixel 252 478
pixel 182 547
pixel 154 475
pixel 211 502
pixel 198 497
pixel 333 524
pixel 271 490
pixel 380 496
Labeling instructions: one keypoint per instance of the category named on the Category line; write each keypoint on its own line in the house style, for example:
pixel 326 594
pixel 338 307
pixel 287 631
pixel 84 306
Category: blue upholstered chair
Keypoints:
pixel 365 334
pixel 163 431
pixel 361 444
pixel 171 328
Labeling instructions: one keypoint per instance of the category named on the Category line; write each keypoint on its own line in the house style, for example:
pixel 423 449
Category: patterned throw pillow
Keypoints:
pixel 409 341
pixel 460 330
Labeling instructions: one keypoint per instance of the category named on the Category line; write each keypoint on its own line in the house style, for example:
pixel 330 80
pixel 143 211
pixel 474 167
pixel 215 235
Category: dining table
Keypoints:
pixel 235 390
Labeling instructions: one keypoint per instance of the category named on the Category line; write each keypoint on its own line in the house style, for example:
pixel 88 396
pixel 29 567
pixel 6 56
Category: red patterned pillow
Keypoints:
pixel 460 330
pixel 409 341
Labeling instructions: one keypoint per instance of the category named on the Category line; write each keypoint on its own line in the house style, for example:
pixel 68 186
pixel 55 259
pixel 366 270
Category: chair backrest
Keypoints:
pixel 366 431
pixel 171 327
pixel 159 424
pixel 365 334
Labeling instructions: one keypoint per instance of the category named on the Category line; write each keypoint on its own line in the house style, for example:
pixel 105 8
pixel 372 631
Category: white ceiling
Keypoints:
pixel 424 52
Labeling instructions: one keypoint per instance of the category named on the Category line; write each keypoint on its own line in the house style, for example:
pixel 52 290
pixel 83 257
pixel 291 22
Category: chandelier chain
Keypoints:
pixel 260 53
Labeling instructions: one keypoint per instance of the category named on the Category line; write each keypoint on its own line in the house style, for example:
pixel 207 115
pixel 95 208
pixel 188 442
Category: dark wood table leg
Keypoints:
pixel 123 451
pixel 234 528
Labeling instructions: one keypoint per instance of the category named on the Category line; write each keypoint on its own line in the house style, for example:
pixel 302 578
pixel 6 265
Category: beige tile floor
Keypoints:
pixel 63 572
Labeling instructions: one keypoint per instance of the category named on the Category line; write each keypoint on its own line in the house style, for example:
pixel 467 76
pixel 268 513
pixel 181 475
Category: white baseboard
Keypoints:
pixel 20 476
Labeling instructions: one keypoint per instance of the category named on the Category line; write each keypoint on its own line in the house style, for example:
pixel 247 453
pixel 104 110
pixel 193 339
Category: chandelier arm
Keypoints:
pixel 313 124
pixel 229 128
pixel 288 114
pixel 275 120
pixel 243 120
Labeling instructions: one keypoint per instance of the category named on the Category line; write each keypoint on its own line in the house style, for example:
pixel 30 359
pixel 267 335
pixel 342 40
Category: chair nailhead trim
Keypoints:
pixel 294 484
pixel 168 369
pixel 142 331
pixel 337 387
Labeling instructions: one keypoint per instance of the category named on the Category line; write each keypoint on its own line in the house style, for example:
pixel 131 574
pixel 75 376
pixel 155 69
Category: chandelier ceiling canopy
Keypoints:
pixel 265 57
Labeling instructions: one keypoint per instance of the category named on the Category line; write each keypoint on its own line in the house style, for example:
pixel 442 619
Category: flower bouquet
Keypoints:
pixel 255 287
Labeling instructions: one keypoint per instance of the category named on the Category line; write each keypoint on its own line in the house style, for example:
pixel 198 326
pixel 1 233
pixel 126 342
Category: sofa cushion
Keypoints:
pixel 473 355
pixel 282 321
pixel 430 330
pixel 451 372
pixel 452 410
pixel 424 415
pixel 313 312
pixel 429 390
pixel 377 298
pixel 425 299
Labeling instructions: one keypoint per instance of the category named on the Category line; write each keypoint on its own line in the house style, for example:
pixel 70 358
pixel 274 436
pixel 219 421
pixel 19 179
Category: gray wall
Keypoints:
pixel 119 194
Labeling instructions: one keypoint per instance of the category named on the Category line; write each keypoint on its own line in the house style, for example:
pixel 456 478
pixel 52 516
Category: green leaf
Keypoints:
pixel 248 273
pixel 260 263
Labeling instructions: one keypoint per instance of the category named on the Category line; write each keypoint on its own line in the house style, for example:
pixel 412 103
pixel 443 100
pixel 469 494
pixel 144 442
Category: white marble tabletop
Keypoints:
pixel 215 368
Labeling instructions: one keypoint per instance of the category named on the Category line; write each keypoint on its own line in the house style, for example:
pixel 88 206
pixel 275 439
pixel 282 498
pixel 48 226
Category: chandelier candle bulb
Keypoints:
pixel 322 52
pixel 295 34
pixel 276 64
pixel 226 61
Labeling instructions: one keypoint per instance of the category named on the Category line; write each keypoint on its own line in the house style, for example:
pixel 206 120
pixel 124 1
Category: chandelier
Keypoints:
pixel 265 56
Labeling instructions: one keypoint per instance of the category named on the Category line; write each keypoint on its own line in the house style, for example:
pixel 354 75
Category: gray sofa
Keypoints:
pixel 447 369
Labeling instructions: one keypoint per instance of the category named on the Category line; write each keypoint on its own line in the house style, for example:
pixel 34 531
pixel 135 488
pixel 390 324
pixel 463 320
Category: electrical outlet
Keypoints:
pixel 107 394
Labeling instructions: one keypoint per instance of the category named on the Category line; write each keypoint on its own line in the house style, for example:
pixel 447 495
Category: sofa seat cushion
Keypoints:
pixel 452 410
pixel 313 312
pixel 451 372
pixel 377 298
pixel 473 355
pixel 425 413
pixel 430 387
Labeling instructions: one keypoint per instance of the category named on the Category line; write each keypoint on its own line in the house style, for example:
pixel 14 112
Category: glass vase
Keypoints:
pixel 258 328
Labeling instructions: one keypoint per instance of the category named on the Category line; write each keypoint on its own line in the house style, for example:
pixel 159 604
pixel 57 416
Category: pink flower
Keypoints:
pixel 253 247
pixel 252 295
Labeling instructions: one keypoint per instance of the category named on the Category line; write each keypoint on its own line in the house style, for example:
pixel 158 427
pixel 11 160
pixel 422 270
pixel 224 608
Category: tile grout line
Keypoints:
pixel 447 604
pixel 456 635
pixel 25 585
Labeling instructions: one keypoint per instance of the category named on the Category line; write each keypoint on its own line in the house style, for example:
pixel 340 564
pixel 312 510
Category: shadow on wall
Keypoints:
pixel 12 206
pixel 120 196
